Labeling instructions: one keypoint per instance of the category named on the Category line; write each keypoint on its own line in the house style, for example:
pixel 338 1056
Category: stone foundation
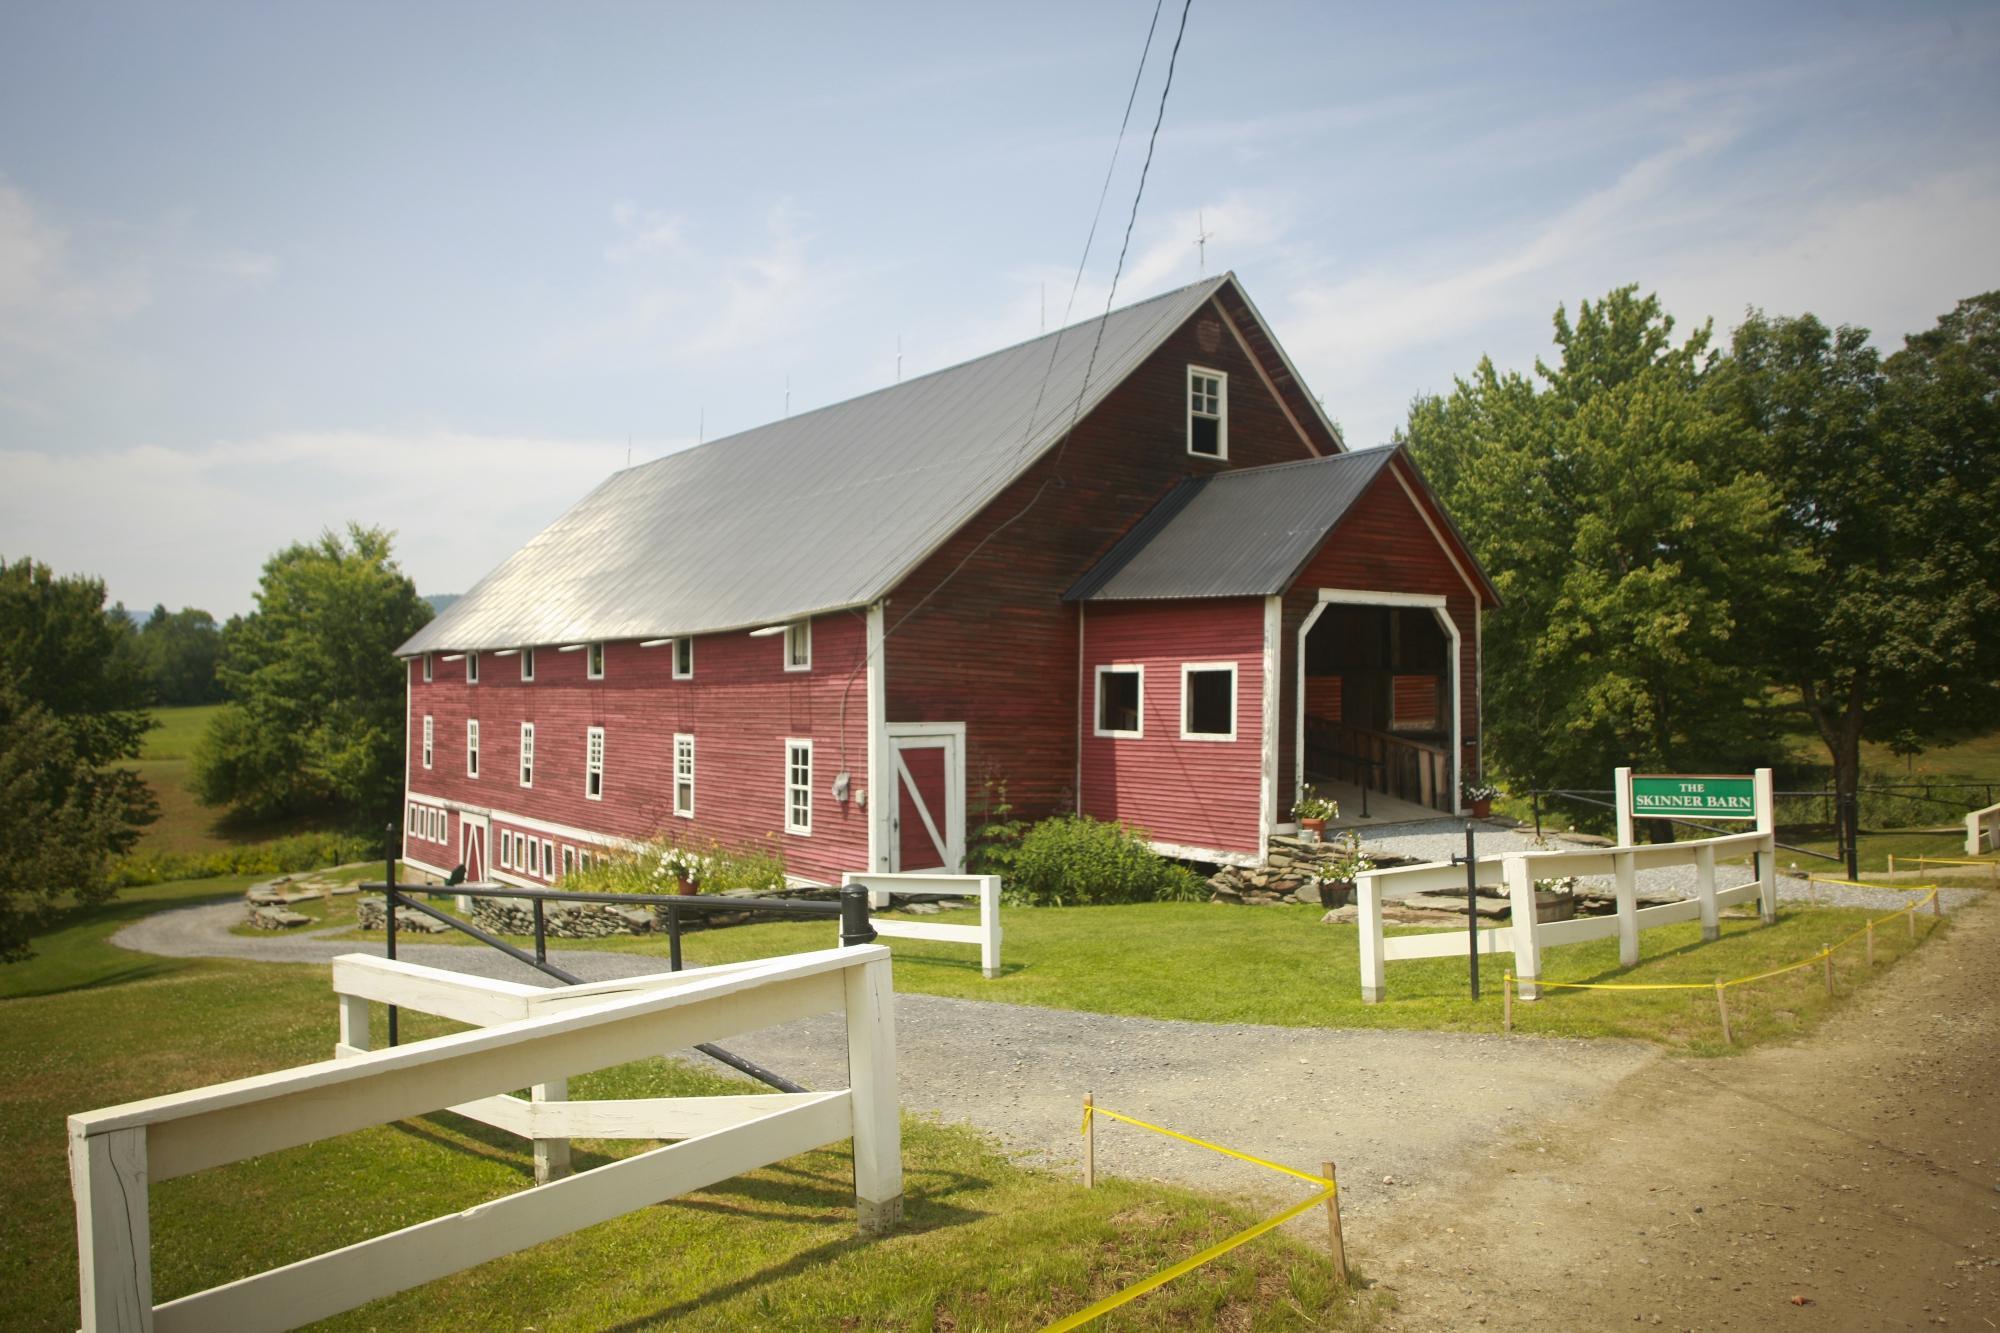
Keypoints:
pixel 1294 872
pixel 369 915
pixel 561 921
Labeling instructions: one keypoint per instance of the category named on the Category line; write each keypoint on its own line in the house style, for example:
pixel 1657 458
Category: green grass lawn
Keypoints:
pixel 987 1243
pixel 1214 963
pixel 166 762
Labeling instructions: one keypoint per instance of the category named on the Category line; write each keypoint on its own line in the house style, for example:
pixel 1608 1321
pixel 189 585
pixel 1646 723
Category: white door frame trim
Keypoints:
pixel 469 822
pixel 1356 597
pixel 954 784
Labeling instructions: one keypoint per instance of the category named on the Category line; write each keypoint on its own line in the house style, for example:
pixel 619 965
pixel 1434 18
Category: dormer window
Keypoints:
pixel 1208 413
pixel 427 668
pixel 799 646
pixel 594 661
pixel 527 664
pixel 472 668
pixel 683 659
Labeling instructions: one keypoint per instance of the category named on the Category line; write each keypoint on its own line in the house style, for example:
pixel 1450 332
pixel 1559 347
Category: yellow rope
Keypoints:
pixel 1192 1262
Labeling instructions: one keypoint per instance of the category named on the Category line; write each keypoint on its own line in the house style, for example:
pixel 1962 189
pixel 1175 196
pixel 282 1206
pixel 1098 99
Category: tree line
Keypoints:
pixel 1692 540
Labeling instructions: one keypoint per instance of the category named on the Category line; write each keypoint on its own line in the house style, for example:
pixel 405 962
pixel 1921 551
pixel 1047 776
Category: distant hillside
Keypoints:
pixel 440 600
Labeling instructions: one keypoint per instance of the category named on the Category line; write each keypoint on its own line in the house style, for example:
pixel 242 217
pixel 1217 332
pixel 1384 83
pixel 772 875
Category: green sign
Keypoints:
pixel 1700 794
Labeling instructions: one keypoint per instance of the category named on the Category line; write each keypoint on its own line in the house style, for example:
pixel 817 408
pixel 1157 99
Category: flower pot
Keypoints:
pixel 688 887
pixel 1336 892
pixel 1482 808
pixel 1317 827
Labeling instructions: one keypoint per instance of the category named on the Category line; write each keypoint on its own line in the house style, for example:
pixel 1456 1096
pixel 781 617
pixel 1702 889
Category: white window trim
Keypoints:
pixel 676 651
pixel 1189 668
pixel 427 668
pixel 472 668
pixel 1097 701
pixel 527 664
pixel 684 738
pixel 1221 379
pixel 568 859
pixel 430 734
pixel 593 661
pixel 802 830
pixel 593 734
pixel 527 754
pixel 472 747
pixel 548 870
pixel 804 627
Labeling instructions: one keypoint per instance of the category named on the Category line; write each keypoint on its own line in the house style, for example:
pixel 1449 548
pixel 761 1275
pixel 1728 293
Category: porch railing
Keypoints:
pixel 1381 761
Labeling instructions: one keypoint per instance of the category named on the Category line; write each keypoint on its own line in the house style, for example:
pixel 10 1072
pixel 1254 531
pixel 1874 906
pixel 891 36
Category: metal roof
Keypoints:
pixel 822 511
pixel 1232 534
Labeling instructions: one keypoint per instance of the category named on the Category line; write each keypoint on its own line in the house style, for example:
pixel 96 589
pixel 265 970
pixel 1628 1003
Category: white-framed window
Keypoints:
pixel 593 764
pixel 527 754
pixel 684 775
pixel 799 646
pixel 427 668
pixel 569 858
pixel 506 850
pixel 1208 701
pixel 429 734
pixel 593 661
pixel 472 747
pixel 1207 413
pixel 472 668
pixel 527 664
pixel 534 857
pixel 548 870
pixel 684 659
pixel 410 822
pixel 438 822
pixel 798 786
pixel 1121 701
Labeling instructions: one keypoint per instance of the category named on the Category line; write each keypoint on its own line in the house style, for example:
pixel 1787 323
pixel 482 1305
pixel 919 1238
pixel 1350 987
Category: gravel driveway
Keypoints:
pixel 1397 1110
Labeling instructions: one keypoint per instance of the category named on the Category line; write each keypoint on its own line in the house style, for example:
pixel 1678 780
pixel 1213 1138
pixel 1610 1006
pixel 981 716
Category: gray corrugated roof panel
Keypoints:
pixel 1232 534
pixel 824 510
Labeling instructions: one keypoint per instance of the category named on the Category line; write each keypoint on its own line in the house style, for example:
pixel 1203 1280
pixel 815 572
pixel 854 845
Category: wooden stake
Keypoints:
pixel 1507 1002
pixel 1871 944
pixel 1910 920
pixel 1937 903
pixel 1892 863
pixel 1722 1008
pixel 1335 1245
pixel 1826 953
pixel 1089 1144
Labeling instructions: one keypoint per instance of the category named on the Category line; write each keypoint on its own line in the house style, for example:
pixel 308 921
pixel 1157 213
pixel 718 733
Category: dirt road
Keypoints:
pixel 1850 1181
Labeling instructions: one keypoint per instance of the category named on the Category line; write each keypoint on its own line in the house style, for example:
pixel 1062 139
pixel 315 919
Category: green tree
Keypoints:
pixel 1607 499
pixel 1890 632
pixel 178 652
pixel 70 708
pixel 317 693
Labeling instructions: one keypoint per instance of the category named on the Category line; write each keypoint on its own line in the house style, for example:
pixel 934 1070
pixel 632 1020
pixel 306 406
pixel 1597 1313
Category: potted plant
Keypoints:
pixel 1313 810
pixel 684 867
pixel 1338 872
pixel 1479 796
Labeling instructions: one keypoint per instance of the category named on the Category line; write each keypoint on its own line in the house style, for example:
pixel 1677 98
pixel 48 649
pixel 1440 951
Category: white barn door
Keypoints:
pixel 927 822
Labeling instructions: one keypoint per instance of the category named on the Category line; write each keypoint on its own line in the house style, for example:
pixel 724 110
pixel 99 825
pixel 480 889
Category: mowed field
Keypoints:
pixel 186 825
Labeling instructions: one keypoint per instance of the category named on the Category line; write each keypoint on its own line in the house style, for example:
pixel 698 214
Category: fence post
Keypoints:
pixel 353 1025
pixel 1621 796
pixel 673 937
pixel 1507 1002
pixel 854 927
pixel 989 926
pixel 1704 888
pixel 551 1155
pixel 1625 885
pixel 1521 926
pixel 1767 865
pixel 1826 955
pixel 113 1241
pixel 1368 898
pixel 1089 1142
pixel 1722 1010
pixel 1910 919
pixel 871 1074
pixel 389 922
pixel 1336 1245
pixel 541 932
pixel 1871 944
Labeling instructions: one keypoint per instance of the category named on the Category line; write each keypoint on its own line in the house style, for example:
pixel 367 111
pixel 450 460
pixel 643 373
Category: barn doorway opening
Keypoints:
pixel 1377 708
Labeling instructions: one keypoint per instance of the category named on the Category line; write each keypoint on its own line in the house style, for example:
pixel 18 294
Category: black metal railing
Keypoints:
pixel 851 911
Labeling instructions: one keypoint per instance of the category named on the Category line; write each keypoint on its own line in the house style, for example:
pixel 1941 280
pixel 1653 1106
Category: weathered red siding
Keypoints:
pixel 998 649
pixel 1383 545
pixel 1196 794
pixel 741 706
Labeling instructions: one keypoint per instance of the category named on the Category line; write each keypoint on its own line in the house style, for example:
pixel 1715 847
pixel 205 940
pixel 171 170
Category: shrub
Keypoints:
pixel 280 856
pixel 1074 859
pixel 659 866
pixel 996 841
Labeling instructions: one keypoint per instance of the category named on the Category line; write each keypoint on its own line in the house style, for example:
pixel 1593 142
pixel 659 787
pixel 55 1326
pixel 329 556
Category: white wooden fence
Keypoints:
pixel 984 887
pixel 530 1037
pixel 1526 937
pixel 1982 831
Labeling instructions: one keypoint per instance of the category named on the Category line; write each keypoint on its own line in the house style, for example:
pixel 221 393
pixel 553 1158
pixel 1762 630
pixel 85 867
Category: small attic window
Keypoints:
pixel 1208 413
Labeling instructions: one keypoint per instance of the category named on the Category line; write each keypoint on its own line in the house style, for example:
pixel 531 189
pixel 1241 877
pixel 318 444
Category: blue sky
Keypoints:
pixel 264 269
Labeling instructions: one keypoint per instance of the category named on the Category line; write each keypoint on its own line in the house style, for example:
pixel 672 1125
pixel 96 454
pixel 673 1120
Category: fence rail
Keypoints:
pixel 1982 831
pixel 881 888
pixel 534 1037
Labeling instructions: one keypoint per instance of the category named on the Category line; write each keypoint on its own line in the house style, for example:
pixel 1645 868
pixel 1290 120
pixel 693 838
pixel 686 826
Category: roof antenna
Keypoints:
pixel 899 358
pixel 1202 236
pixel 788 393
pixel 701 427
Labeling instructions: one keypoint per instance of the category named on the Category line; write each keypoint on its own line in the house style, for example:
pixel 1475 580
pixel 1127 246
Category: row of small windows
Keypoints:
pixel 516 851
pixel 797 656
pixel 428 823
pixel 798 769
pixel 1208 701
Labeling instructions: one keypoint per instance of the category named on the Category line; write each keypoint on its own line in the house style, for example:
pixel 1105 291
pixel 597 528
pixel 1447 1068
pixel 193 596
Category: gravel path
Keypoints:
pixel 1442 839
pixel 1391 1107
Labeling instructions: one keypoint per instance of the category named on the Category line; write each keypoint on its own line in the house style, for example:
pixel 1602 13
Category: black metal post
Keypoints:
pixel 389 913
pixel 854 927
pixel 1536 798
pixel 1850 808
pixel 541 934
pixel 1472 908
pixel 673 937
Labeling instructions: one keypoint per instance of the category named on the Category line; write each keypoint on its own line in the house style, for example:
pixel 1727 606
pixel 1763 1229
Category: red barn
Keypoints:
pixel 1128 568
